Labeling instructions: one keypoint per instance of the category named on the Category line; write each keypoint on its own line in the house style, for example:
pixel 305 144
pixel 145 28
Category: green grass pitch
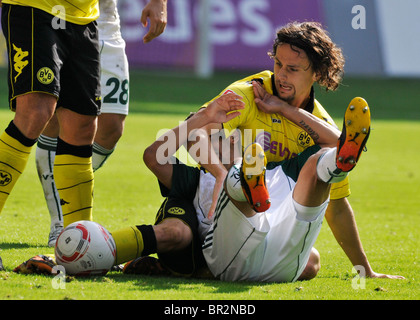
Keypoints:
pixel 385 197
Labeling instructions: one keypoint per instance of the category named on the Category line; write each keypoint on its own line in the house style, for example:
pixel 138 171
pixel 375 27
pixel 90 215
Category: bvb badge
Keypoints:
pixel 176 210
pixel 303 139
pixel 45 75
pixel 5 178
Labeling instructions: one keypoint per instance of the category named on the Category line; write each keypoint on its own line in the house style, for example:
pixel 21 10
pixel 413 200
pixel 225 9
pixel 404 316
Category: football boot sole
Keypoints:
pixel 252 175
pixel 353 138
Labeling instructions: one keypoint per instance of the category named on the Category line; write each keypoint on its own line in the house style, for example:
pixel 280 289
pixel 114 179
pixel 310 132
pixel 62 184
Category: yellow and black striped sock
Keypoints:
pixel 73 177
pixel 133 242
pixel 15 149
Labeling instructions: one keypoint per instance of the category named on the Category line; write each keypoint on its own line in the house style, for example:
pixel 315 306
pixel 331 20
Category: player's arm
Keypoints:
pixel 156 12
pixel 320 131
pixel 208 159
pixel 157 156
pixel 340 218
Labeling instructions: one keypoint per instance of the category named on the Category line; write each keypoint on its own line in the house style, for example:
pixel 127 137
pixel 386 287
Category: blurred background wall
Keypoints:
pixel 378 37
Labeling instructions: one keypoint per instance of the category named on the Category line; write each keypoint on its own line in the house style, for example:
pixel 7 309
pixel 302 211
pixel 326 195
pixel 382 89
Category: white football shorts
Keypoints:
pixel 271 247
pixel 114 77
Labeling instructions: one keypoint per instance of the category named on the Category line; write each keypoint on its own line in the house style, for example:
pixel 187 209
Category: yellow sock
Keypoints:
pixel 129 243
pixel 74 180
pixel 13 159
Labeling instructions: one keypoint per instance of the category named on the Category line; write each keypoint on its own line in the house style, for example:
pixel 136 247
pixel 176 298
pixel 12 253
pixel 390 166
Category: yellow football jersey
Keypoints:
pixel 280 138
pixel 74 11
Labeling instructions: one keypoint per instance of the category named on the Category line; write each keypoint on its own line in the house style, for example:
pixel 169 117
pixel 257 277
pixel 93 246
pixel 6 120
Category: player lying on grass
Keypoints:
pixel 275 245
pixel 245 243
pixel 293 220
pixel 302 54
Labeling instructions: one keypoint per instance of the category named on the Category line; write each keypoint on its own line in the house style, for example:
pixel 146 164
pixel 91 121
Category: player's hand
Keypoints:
pixel 224 108
pixel 156 12
pixel 384 276
pixel 267 102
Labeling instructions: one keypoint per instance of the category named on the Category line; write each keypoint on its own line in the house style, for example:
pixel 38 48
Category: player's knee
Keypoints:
pixel 172 234
pixel 313 160
pixel 179 236
pixel 312 267
pixel 310 167
pixel 149 157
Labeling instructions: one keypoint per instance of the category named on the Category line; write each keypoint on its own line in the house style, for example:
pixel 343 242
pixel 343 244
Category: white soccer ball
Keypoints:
pixel 85 248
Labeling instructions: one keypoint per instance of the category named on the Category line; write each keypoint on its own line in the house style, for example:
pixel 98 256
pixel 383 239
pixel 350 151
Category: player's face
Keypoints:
pixel 293 75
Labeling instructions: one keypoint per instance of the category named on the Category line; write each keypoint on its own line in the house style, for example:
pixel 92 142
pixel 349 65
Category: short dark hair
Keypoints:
pixel 326 58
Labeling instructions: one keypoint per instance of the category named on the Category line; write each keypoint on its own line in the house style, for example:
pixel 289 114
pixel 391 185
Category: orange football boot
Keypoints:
pixel 253 177
pixel 353 138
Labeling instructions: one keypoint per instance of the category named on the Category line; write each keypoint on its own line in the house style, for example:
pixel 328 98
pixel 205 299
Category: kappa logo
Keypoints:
pixel 176 210
pixel 5 178
pixel 19 63
pixel 228 91
pixel 45 75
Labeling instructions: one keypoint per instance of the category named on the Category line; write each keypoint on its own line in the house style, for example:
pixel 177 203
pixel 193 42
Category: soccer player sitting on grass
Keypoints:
pixel 243 242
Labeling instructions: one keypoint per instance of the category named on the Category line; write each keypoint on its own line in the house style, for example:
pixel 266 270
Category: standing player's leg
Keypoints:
pixel 33 88
pixel 110 129
pixel 32 97
pixel 73 172
pixel 114 84
pixel 77 110
pixel 44 158
pixel 115 100
pixel 17 140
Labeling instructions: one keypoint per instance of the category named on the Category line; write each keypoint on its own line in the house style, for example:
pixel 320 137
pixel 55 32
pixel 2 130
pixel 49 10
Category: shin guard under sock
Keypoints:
pixel 73 176
pixel 15 149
